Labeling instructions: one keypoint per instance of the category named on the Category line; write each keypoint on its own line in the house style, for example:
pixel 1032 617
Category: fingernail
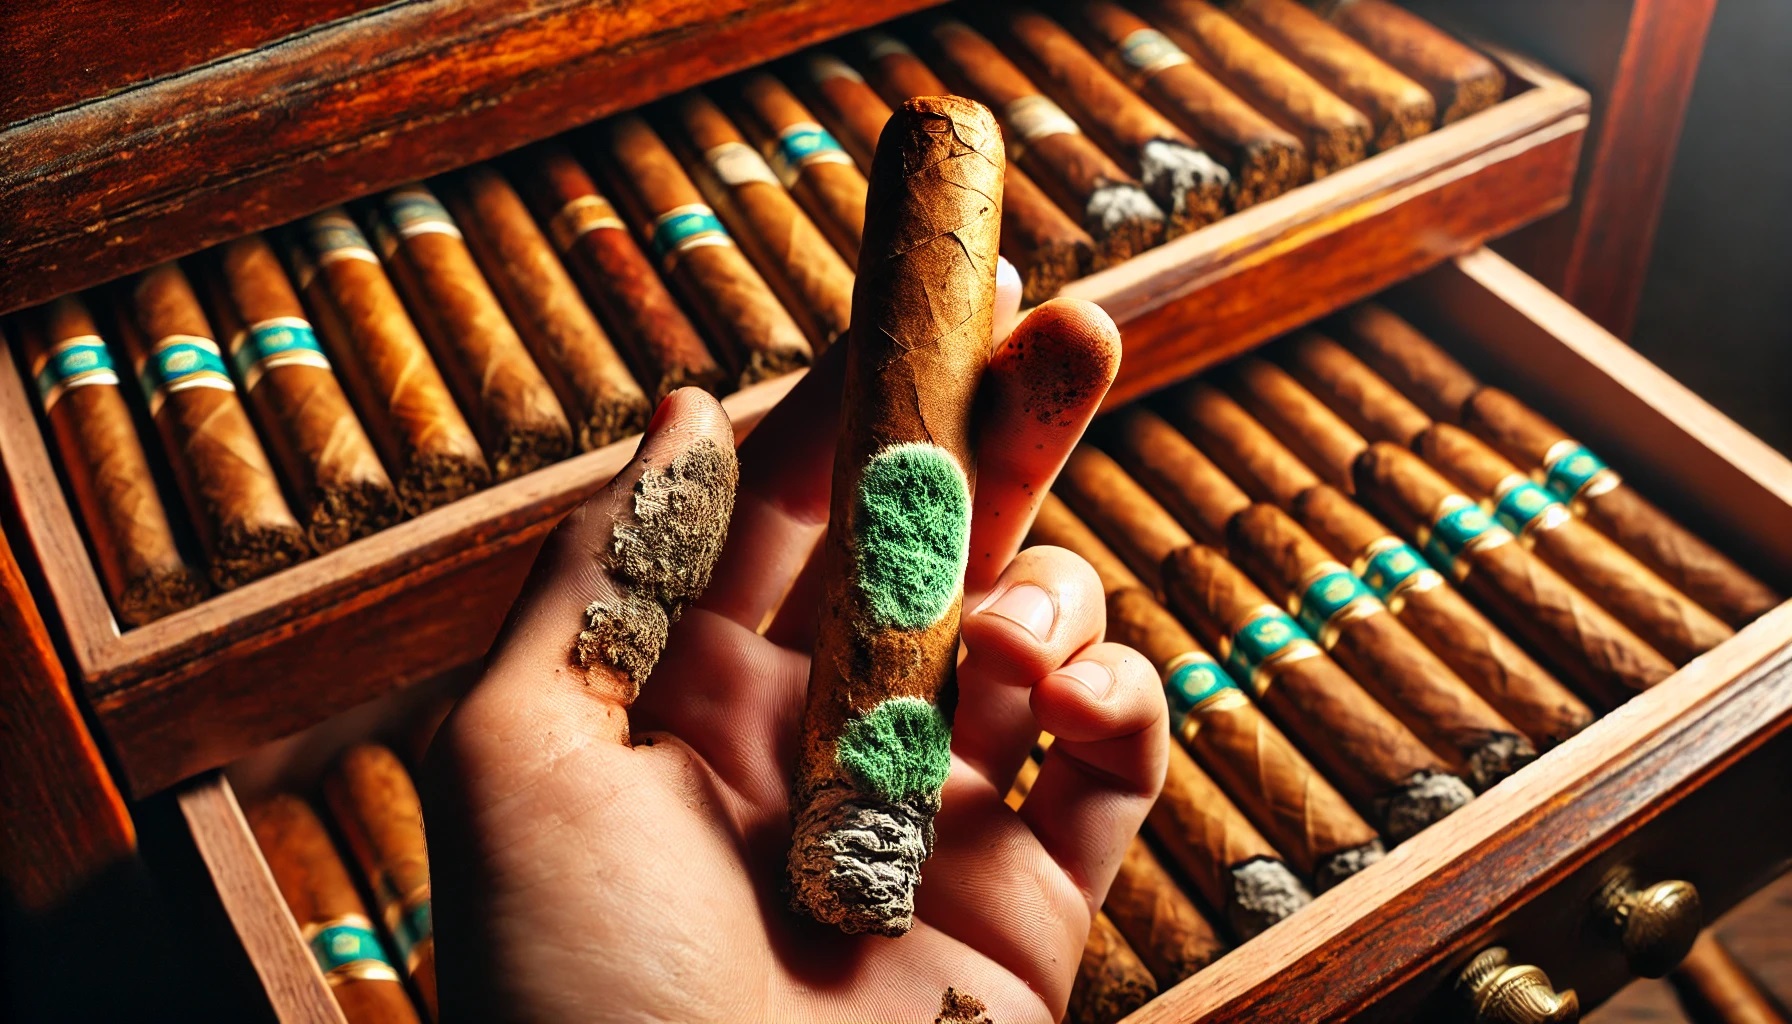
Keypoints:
pixel 1027 606
pixel 659 414
pixel 1098 678
pixel 1006 274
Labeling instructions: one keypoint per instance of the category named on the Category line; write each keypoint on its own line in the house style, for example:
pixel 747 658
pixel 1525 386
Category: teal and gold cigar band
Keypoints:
pixel 1146 52
pixel 1330 597
pixel 346 948
pixel 1266 637
pixel 1393 569
pixel 414 210
pixel 1574 474
pixel 181 362
pixel 411 924
pixel 1526 509
pixel 273 343
pixel 803 145
pixel 332 236
pixel 581 216
pixel 1195 685
pixel 683 228
pixel 1459 527
pixel 76 362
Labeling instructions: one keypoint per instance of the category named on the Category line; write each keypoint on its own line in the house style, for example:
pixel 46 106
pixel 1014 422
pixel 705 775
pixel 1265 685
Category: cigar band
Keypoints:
pixel 1195 685
pixel 879 45
pixel 1526 509
pixel 684 228
pixel 181 362
pixel 333 236
pixel 803 145
pixel 1032 118
pixel 736 164
pixel 823 66
pixel 273 343
pixel 1329 598
pixel 1574 474
pixel 1459 527
pixel 1392 569
pixel 347 949
pixel 1147 51
pixel 74 363
pixel 410 923
pixel 416 211
pixel 1266 638
pixel 580 217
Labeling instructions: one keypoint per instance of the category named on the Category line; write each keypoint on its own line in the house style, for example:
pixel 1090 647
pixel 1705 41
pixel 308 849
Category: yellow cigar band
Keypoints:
pixel 580 217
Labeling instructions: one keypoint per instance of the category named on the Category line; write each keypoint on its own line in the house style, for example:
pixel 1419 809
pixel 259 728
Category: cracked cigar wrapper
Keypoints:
pixel 1238 444
pixel 77 378
pixel 1460 79
pixel 1363 748
pixel 326 458
pixel 224 475
pixel 757 334
pixel 805 157
pixel 382 361
pixel 331 917
pixel 1176 473
pixel 1338 609
pixel 1111 981
pixel 518 419
pixel 1099 491
pixel 1533 601
pixel 876 736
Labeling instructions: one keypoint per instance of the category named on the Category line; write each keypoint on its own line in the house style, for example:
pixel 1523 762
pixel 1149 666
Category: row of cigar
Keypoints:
pixel 1374 587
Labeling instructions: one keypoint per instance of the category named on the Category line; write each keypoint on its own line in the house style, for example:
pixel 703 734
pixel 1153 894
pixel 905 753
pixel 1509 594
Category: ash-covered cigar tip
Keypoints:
pixel 1124 209
pixel 1425 798
pixel 1264 892
pixel 1171 170
pixel 855 862
pixel 1497 758
pixel 1336 867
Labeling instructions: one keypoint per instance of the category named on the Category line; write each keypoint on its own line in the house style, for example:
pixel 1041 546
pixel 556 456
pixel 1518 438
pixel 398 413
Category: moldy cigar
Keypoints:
pixel 1531 600
pixel 1339 610
pixel 1398 107
pixel 1111 981
pixel 805 156
pixel 1359 394
pixel 1265 160
pixel 1335 133
pixel 764 219
pixel 95 436
pixel 1175 472
pixel 330 915
pixel 1160 922
pixel 1055 524
pixel 1666 619
pixel 382 360
pixel 1240 445
pixel 893 565
pixel 229 486
pixel 1098 490
pixel 596 389
pixel 1462 80
pixel 1479 652
pixel 1188 184
pixel 1114 208
pixel 1423 372
pixel 1300 420
pixel 519 421
pixel 1043 242
pixel 1366 751
pixel 692 248
pixel 334 475
pixel 375 806
pixel 616 277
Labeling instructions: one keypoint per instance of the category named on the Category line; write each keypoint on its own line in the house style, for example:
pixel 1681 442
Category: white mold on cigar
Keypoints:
pixel 1171 170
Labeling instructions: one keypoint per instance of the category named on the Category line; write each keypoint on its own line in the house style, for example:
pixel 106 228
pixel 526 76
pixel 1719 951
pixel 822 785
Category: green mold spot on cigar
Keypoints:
pixel 901 749
pixel 912 535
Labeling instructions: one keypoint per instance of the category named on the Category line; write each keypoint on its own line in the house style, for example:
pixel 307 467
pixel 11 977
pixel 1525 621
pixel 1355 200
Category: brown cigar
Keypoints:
pixel 1714 989
pixel 330 914
pixel 1594 491
pixel 1531 600
pixel 1298 419
pixel 375 806
pixel 1233 438
pixel 806 156
pixel 1366 751
pixel 1042 241
pixel 594 385
pixel 338 485
pixel 1335 133
pixel 796 258
pixel 513 408
pixel 617 278
pixel 842 101
pixel 1111 981
pixel 77 381
pixel 382 361
pixel 1201 497
pixel 1423 372
pixel 1398 107
pixel 224 475
pixel 1340 611
pixel 1479 652
pixel 1363 397
pixel 922 313
pixel 716 280
pixel 1462 80
pixel 1264 159
pixel 1055 524
pixel 1113 207
pixel 1187 183
pixel 1666 619
pixel 1120 512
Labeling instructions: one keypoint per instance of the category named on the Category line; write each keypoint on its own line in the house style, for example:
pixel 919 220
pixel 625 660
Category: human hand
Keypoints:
pixel 593 860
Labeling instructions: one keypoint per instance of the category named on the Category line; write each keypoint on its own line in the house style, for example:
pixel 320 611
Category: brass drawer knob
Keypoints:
pixel 1501 992
pixel 1656 924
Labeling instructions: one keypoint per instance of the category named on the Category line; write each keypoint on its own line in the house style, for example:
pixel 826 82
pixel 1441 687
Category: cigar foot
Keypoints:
pixel 342 514
pixel 1049 268
pixel 1185 181
pixel 1123 220
pixel 1265 171
pixel 855 861
pixel 527 450
pixel 613 421
pixel 1263 892
pixel 766 365
pixel 249 553
pixel 1336 867
pixel 437 479
pixel 1425 798
pixel 150 597
pixel 1500 756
